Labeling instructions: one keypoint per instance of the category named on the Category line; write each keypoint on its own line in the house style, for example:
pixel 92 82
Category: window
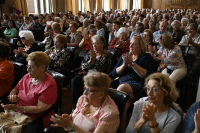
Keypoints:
pixel 39 6
pixel 80 5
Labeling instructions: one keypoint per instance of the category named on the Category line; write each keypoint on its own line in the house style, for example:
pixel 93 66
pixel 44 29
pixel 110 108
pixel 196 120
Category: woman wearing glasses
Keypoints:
pixel 36 91
pixel 21 53
pixel 95 111
pixel 171 57
pixel 131 69
pixel 154 114
pixel 148 36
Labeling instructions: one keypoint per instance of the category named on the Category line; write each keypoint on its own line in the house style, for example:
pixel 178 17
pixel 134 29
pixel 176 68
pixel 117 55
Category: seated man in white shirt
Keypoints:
pixel 81 18
pixel 163 30
pixel 113 33
pixel 192 39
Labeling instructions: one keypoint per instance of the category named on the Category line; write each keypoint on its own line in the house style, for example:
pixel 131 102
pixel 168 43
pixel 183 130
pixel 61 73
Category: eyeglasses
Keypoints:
pixel 94 31
pixel 29 67
pixel 23 38
pixel 154 90
pixel 88 90
pixel 54 28
pixel 144 35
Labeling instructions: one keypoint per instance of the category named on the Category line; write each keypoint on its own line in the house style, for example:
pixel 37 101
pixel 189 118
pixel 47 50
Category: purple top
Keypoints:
pixel 16 11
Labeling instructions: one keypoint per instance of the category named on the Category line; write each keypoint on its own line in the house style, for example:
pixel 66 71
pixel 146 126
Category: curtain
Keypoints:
pixel 88 4
pixel 53 2
pixel 136 4
pixel 22 5
pixel 98 5
pixel 71 5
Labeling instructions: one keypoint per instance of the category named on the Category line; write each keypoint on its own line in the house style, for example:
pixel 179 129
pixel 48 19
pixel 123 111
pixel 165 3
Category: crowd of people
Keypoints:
pixel 135 38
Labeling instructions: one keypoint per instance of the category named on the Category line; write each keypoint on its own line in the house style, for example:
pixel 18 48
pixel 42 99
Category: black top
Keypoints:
pixel 178 36
pixel 38 32
pixel 152 44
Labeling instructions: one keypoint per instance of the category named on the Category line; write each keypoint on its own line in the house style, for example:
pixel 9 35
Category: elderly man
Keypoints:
pixel 152 26
pixel 37 29
pixel 132 27
pixel 163 30
pixel 177 34
pixel 192 39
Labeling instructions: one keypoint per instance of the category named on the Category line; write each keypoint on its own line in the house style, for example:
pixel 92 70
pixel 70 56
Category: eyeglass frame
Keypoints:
pixel 88 90
pixel 153 89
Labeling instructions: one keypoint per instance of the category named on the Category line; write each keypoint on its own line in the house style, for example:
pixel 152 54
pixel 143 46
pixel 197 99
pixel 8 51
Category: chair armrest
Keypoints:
pixel 41 115
pixel 4 100
pixel 76 70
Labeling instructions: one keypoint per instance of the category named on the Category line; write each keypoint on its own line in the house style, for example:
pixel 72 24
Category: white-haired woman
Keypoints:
pixel 121 43
pixel 21 53
pixel 83 29
pixel 58 20
pixel 184 22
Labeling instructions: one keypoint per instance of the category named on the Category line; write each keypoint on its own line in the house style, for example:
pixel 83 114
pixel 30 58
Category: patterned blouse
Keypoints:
pixel 58 59
pixel 120 50
pixel 173 59
pixel 101 64
pixel 106 118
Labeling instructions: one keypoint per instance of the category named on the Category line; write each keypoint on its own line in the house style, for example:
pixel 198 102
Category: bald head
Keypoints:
pixel 163 26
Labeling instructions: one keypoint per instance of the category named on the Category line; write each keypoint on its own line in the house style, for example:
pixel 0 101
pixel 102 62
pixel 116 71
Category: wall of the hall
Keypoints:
pixel 163 4
pixel 6 7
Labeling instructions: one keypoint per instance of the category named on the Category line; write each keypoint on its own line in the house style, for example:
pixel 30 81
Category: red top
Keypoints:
pixel 87 45
pixel 45 91
pixel 7 76
pixel 120 50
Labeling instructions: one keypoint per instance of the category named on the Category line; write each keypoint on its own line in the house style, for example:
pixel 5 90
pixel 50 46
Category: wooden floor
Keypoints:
pixel 66 101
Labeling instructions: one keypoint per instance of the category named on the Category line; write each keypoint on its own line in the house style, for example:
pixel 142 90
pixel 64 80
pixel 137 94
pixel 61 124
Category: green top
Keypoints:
pixel 12 33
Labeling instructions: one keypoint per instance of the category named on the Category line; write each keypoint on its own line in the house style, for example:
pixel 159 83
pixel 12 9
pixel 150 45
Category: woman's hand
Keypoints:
pixel 13 98
pixel 86 37
pixel 121 44
pixel 197 121
pixel 127 58
pixel 149 112
pixel 9 106
pixel 64 121
pixel 152 50
pixel 92 55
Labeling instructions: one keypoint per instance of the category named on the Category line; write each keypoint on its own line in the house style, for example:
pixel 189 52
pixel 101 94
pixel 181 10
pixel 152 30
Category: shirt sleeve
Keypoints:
pixel 49 95
pixel 6 71
pixel 183 40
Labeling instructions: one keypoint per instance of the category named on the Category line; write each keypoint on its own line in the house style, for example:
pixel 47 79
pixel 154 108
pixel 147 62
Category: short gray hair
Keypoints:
pixel 122 30
pixel 100 38
pixel 172 24
pixel 26 34
pixel 184 19
pixel 152 21
pixel 76 16
pixel 193 25
pixel 58 18
pixel 86 20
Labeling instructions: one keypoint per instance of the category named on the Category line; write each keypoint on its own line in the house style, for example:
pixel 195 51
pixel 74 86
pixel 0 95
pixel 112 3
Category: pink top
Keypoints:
pixel 106 118
pixel 45 91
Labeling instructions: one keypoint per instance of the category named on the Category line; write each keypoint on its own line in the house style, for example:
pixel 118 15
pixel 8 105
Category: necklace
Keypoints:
pixel 36 83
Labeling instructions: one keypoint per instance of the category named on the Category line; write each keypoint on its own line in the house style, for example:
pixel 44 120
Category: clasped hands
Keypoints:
pixel 12 99
pixel 120 44
pixel 127 58
pixel 190 40
pixel 92 55
pixel 18 51
pixel 152 49
pixel 148 114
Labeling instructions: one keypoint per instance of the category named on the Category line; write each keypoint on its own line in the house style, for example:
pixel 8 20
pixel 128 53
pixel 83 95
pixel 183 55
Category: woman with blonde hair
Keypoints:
pixel 131 69
pixel 170 55
pixel 155 113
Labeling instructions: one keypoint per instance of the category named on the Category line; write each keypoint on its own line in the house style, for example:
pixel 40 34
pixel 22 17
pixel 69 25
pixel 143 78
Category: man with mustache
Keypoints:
pixel 192 39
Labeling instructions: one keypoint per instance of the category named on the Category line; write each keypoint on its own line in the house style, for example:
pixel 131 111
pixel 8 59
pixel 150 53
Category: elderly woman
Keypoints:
pixel 21 53
pixel 5 21
pixel 148 36
pixel 49 22
pixel 122 42
pixel 58 20
pixel 76 19
pixel 139 28
pixel 184 22
pixel 154 114
pixel 26 24
pixel 11 31
pixel 100 29
pixel 95 101
pixel 6 70
pixel 59 55
pixel 36 91
pixel 170 55
pixel 97 60
pixel 146 23
pixel 131 69
pixel 131 28
pixel 83 29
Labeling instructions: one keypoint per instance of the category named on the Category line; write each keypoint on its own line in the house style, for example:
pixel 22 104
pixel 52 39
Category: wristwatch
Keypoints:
pixel 133 63
pixel 24 109
pixel 153 125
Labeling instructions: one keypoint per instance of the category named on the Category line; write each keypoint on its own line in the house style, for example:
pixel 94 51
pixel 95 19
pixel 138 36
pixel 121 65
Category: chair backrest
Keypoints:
pixel 120 99
pixel 18 72
pixel 60 79
pixel 41 45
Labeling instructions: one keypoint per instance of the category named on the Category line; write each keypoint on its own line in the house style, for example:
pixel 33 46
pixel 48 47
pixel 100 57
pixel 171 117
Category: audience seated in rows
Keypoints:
pixel 26 24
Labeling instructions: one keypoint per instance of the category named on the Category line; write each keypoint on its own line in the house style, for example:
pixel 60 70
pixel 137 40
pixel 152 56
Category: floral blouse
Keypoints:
pixel 101 64
pixel 173 59
pixel 120 50
pixel 58 59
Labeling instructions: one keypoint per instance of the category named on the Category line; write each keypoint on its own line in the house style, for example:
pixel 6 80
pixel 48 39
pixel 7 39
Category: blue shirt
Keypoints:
pixel 158 34
pixel 188 123
pixel 129 76
pixel 133 34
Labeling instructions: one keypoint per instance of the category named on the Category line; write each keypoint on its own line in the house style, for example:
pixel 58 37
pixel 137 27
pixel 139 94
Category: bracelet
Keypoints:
pixel 135 128
pixel 72 128
pixel 24 109
pixel 153 125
